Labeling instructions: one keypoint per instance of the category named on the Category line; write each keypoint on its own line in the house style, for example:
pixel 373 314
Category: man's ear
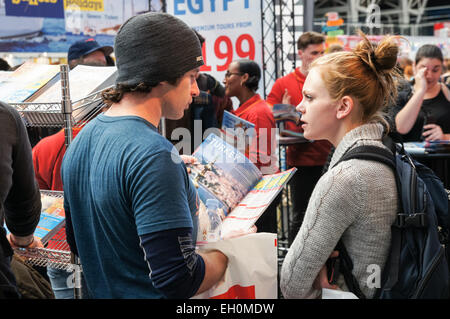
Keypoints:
pixel 161 88
pixel 345 107
pixel 300 54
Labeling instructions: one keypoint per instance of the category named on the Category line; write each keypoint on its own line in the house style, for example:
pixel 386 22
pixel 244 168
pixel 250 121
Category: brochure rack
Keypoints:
pixel 51 115
pixel 67 115
pixel 57 252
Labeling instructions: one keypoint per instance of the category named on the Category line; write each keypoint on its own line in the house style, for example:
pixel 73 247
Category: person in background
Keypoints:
pixel 402 62
pixel 82 52
pixel 128 196
pixel 405 66
pixel 422 111
pixel 20 199
pixel 210 104
pixel 446 76
pixel 335 48
pixel 88 52
pixel 206 109
pixel 355 200
pixel 408 73
pixel 310 157
pixel 241 81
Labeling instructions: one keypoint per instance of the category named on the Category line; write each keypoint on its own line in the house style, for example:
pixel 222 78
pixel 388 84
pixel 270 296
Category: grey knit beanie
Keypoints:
pixel 155 47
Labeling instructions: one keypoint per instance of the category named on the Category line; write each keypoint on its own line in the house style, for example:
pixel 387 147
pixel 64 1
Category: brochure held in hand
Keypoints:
pixel 228 176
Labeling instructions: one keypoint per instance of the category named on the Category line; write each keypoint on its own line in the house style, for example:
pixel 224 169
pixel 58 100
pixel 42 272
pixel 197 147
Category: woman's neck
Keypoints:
pixel 245 96
pixel 339 134
pixel 432 91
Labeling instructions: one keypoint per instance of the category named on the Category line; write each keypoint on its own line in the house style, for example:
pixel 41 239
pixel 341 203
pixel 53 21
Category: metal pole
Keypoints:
pixel 281 43
pixel 294 40
pixel 66 104
pixel 66 110
pixel 264 66
pixel 308 15
pixel 275 38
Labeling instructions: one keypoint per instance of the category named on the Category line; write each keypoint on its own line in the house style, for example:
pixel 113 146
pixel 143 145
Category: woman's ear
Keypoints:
pixel 244 78
pixel 345 107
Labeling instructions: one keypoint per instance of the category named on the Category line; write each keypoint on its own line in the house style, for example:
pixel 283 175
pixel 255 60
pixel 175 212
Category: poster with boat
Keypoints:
pixel 33 28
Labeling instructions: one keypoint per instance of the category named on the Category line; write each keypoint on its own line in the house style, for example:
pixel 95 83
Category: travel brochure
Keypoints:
pixel 29 79
pixel 52 216
pixel 225 174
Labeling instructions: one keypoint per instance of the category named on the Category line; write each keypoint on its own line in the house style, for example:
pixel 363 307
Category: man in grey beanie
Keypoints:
pixel 128 197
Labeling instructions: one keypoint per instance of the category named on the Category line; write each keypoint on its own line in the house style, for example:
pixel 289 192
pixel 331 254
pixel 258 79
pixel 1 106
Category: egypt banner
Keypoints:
pixel 232 29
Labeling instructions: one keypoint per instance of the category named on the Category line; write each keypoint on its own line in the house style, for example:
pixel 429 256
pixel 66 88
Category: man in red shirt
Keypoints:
pixel 310 157
pixel 47 158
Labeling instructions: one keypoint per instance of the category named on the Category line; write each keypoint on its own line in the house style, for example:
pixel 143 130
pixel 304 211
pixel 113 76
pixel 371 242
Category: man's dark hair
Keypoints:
pixel 115 94
pixel 308 38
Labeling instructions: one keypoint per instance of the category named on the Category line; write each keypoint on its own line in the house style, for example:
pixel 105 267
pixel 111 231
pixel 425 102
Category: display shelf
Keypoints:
pixel 51 115
pixel 67 114
pixel 40 114
pixel 56 254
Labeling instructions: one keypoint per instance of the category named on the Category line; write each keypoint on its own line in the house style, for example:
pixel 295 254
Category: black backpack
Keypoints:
pixel 417 266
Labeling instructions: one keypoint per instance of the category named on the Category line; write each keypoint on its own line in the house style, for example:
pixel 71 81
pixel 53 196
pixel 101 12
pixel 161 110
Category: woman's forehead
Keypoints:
pixel 430 62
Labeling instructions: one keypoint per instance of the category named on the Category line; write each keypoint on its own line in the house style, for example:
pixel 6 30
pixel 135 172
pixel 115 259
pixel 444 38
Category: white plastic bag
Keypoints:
pixel 337 294
pixel 252 268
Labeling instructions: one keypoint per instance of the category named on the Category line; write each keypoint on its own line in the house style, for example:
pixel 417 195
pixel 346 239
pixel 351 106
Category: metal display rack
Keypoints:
pixel 66 114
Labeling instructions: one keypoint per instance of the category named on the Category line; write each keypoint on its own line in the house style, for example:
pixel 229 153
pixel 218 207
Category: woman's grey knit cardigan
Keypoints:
pixel 355 200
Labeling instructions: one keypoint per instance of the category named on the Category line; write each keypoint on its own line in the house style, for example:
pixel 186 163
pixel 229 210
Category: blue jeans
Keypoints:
pixel 59 280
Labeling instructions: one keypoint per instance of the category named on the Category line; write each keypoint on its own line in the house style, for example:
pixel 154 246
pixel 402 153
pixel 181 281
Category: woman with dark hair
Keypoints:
pixel 423 113
pixel 241 81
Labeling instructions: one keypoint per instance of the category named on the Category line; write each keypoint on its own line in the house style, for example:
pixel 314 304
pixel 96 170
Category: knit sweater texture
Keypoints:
pixel 356 200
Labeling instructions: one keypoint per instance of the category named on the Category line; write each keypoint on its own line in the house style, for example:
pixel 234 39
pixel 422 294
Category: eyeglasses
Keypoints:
pixel 228 74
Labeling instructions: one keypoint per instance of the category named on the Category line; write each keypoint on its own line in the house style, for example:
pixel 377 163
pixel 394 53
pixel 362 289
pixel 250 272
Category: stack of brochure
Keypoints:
pixel 427 147
pixel 52 216
pixel 27 82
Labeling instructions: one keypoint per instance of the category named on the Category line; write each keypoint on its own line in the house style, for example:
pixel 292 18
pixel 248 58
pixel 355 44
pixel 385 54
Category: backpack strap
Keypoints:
pixel 377 154
pixel 346 268
pixel 370 153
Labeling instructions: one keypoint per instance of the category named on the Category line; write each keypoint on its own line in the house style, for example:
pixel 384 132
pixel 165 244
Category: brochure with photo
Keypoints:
pixel 225 174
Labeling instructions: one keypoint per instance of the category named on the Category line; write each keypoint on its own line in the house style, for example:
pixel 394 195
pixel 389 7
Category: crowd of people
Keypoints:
pixel 131 209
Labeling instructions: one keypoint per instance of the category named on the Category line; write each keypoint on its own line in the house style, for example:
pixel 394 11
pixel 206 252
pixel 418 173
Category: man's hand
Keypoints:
pixel 286 97
pixel 24 242
pixel 187 159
